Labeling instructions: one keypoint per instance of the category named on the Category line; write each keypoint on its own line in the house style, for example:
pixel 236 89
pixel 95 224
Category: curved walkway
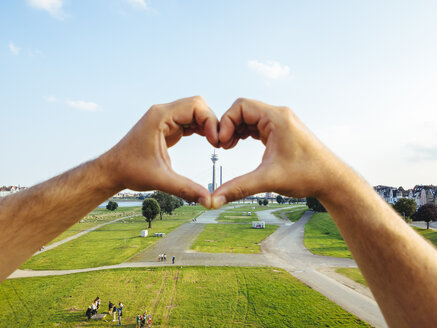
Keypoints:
pixel 284 248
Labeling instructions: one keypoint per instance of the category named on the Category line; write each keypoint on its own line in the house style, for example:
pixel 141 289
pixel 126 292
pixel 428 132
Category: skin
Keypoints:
pixel 399 266
pixel 140 161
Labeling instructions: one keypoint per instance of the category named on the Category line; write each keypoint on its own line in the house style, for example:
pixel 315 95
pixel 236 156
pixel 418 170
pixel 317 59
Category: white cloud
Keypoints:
pixel 50 99
pixel 84 105
pixel 53 7
pixel 137 3
pixel 14 49
pixel 270 69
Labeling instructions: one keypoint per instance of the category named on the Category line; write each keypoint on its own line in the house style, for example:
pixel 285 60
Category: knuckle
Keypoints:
pixel 198 100
pixel 184 193
pixel 154 109
pixel 240 192
pixel 240 101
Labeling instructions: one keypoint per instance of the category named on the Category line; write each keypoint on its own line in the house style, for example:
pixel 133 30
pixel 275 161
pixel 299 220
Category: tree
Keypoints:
pixel 112 206
pixel 405 207
pixel 315 205
pixel 265 201
pixel 260 202
pixel 167 202
pixel 427 213
pixel 150 210
pixel 279 199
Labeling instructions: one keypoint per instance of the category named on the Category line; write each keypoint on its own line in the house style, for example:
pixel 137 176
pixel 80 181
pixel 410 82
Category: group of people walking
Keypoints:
pixel 113 310
pixel 144 320
pixel 163 258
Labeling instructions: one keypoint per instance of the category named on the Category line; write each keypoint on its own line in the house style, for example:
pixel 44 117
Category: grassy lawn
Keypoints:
pixel 293 215
pixel 429 234
pixel 255 207
pixel 231 238
pixel 96 217
pixel 323 238
pixel 236 217
pixel 353 274
pixel 110 244
pixel 176 297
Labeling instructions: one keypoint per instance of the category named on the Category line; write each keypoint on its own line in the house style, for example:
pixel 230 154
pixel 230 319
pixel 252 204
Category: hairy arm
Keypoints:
pixel 140 161
pixel 31 218
pixel 399 265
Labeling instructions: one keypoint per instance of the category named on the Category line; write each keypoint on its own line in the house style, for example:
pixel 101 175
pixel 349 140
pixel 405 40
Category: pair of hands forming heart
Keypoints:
pixel 295 162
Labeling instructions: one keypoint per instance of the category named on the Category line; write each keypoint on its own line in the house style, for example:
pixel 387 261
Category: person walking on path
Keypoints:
pixel 173 259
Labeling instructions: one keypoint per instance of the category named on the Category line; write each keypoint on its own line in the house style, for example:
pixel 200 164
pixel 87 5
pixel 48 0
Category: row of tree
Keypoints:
pixel 405 207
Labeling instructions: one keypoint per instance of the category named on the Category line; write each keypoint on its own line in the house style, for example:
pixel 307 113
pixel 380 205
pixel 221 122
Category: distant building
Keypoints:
pixel 421 194
pixel 6 191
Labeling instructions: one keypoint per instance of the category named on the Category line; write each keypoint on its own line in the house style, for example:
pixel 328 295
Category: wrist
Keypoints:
pixel 106 170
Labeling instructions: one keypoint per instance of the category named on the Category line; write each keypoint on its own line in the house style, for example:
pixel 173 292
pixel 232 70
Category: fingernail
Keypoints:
pixel 218 202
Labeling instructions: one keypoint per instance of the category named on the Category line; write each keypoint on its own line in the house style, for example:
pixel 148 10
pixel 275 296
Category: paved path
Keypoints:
pixel 284 249
pixel 80 234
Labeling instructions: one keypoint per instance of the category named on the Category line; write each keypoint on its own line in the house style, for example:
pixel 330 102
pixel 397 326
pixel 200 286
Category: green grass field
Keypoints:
pixel 429 234
pixel 176 297
pixel 236 217
pixel 110 244
pixel 96 217
pixel 255 207
pixel 353 274
pixel 323 238
pixel 293 215
pixel 231 238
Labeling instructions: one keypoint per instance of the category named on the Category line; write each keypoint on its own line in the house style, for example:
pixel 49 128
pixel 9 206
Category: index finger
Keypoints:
pixel 195 111
pixel 242 111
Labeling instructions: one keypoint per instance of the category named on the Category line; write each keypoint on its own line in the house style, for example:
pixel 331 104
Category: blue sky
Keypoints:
pixel 76 75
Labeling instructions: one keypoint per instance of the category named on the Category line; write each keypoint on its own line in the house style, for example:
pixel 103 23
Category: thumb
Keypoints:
pixel 184 188
pixel 240 187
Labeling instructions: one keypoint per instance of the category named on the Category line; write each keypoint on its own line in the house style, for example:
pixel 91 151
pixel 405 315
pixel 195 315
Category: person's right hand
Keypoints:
pixel 295 162
pixel 140 161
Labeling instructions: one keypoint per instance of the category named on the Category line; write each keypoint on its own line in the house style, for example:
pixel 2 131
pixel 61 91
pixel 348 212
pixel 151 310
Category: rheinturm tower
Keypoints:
pixel 214 159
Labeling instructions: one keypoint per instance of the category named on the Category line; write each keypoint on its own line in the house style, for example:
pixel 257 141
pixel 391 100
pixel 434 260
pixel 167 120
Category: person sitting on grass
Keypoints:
pixel 394 259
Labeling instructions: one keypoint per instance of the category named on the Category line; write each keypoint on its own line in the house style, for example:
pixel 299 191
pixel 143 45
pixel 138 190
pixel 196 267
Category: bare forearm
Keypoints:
pixel 32 218
pixel 399 265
